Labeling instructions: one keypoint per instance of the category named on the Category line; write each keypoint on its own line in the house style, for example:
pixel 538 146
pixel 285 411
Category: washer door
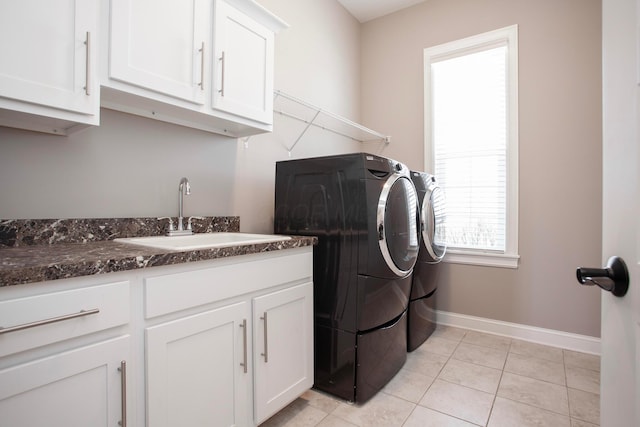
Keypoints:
pixel 397 228
pixel 432 222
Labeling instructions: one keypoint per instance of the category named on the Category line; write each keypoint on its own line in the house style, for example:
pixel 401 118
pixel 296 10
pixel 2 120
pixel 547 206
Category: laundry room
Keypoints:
pixel 344 85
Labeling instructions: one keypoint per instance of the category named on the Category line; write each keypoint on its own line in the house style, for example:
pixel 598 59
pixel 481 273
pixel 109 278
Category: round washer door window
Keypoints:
pixel 433 223
pixel 397 228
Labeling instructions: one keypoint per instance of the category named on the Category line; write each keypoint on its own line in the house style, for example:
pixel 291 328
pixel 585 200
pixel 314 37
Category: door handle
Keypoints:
pixel 201 50
pixel 87 43
pixel 123 391
pixel 613 278
pixel 221 90
pixel 266 339
pixel 243 325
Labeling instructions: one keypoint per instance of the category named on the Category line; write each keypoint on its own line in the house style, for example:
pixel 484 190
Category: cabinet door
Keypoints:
pixel 78 388
pixel 283 331
pixel 198 370
pixel 48 53
pixel 243 65
pixel 160 45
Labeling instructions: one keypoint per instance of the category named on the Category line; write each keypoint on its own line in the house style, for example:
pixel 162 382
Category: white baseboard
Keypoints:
pixel 567 340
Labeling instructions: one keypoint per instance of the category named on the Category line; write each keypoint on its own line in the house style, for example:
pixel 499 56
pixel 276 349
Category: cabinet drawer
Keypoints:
pixel 173 292
pixel 38 320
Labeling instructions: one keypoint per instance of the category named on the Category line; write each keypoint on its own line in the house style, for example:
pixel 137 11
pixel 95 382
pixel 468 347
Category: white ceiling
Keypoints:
pixel 366 10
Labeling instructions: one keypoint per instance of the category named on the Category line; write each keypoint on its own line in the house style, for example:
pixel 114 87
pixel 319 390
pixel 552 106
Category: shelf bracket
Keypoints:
pixel 347 128
pixel 306 128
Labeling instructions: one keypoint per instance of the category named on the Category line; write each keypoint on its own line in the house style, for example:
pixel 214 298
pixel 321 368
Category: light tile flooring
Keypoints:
pixel 465 378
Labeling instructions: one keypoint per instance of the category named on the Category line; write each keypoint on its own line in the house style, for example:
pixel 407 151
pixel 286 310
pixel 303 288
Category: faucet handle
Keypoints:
pixel 192 218
pixel 171 228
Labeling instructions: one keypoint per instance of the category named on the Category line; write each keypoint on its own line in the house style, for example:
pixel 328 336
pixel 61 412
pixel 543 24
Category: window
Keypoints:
pixel 471 144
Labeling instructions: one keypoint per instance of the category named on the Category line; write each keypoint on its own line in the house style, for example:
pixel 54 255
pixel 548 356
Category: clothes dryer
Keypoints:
pixel 362 208
pixel 431 219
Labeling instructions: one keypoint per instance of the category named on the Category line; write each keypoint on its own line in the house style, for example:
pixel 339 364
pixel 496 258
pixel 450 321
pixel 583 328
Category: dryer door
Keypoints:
pixel 432 222
pixel 397 228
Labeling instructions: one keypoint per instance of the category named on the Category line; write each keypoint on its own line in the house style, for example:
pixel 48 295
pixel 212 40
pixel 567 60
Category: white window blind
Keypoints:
pixel 471 141
pixel 469 136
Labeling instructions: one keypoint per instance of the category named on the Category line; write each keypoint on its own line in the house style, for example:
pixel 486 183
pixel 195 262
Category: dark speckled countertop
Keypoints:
pixel 38 250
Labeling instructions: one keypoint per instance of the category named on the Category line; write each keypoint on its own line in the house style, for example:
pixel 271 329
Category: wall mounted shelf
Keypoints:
pixel 313 116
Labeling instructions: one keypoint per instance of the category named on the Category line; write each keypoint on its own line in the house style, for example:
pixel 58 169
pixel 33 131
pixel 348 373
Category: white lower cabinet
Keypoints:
pixel 242 350
pixel 283 337
pixel 76 388
pixel 197 370
pixel 64 348
pixel 226 342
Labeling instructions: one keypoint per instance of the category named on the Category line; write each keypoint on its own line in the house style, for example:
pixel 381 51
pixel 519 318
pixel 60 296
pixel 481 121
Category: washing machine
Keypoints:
pixel 421 319
pixel 362 208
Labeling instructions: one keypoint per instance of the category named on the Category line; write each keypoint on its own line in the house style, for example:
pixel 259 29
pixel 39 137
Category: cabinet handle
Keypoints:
pixel 87 88
pixel 81 313
pixel 123 394
pixel 244 344
pixel 222 75
pixel 266 345
pixel 201 67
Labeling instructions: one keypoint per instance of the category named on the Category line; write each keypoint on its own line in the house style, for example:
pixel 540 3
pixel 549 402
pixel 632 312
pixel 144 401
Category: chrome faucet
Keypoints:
pixel 183 188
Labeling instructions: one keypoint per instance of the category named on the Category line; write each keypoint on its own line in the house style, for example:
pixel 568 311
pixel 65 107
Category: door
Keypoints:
pixel 243 65
pixel 396 223
pixel 77 388
pixel 620 376
pixel 283 336
pixel 199 370
pixel 161 45
pixel 48 51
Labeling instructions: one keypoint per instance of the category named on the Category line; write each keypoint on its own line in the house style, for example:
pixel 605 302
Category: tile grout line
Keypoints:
pixel 434 380
pixel 437 377
pixel 495 396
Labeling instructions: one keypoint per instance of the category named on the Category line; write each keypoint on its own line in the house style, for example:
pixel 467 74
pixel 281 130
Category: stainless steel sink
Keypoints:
pixel 202 240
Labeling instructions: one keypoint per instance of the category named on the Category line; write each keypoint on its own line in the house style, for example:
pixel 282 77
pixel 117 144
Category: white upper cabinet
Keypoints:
pixel 243 65
pixel 162 63
pixel 158 45
pixel 48 79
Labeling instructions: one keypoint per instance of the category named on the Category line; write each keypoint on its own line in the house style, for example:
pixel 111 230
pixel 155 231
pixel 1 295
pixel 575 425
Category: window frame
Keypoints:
pixel 509 35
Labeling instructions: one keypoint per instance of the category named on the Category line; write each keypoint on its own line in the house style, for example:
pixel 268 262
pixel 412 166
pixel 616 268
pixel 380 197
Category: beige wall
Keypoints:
pixel 560 147
pixel 317 60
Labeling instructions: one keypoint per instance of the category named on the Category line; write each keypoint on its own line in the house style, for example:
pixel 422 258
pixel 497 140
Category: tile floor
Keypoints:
pixel 465 378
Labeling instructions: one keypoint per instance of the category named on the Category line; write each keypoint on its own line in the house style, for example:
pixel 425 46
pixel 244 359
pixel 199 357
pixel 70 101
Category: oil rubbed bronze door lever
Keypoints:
pixel 613 278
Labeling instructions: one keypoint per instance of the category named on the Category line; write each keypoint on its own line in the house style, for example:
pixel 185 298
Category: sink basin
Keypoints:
pixel 202 240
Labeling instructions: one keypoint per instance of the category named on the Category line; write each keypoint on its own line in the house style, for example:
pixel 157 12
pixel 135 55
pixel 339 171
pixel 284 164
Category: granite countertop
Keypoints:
pixel 39 250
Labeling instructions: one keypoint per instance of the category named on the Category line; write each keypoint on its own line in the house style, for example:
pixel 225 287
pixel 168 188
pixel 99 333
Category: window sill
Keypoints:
pixel 486 259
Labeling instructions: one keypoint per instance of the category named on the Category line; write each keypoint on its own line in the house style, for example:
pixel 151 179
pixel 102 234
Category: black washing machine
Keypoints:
pixel 362 208
pixel 432 215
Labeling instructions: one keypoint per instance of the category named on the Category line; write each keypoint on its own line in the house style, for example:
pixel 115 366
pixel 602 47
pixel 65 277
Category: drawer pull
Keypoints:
pixel 81 313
